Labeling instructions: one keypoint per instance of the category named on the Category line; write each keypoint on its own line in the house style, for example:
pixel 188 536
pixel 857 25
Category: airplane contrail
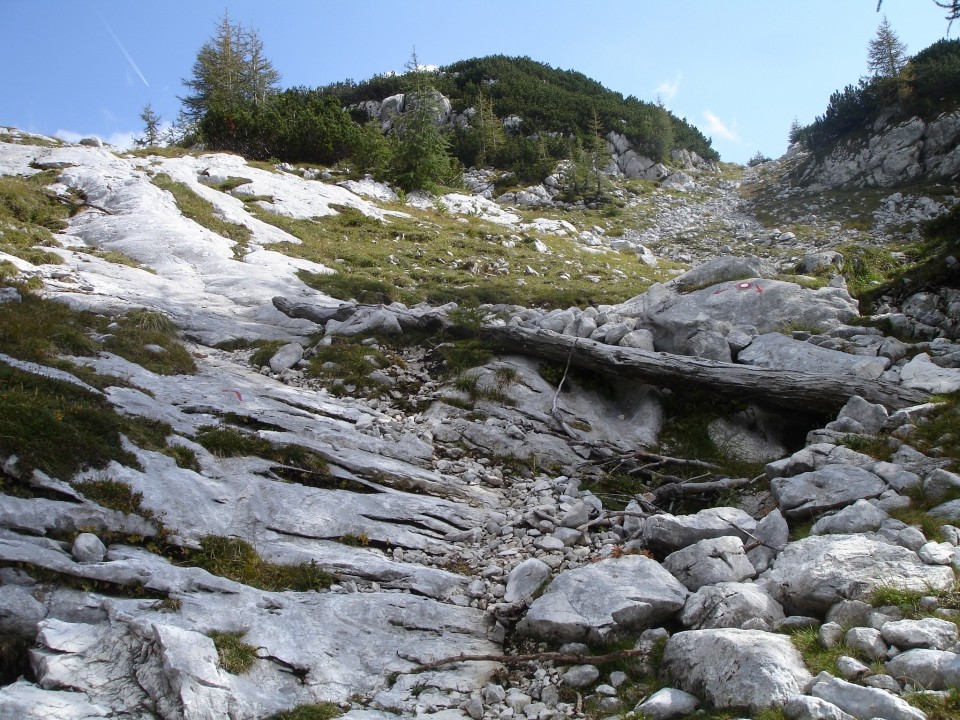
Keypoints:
pixel 120 45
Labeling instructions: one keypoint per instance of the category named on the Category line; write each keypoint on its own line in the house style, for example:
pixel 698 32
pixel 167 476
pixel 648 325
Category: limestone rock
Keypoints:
pixel 832 486
pixel 812 574
pixel 735 668
pixel 932 633
pixel 667 533
pixel 774 350
pixel 87 548
pixel 591 602
pixel 729 605
pixel 286 357
pixel 525 579
pixel 709 562
pixel 863 702
pixel 666 704
pixel 860 517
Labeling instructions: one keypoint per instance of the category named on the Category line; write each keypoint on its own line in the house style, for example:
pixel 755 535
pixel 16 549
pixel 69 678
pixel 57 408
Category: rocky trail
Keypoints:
pixel 541 501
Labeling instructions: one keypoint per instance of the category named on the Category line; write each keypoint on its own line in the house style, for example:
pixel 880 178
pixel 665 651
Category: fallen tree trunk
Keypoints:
pixel 786 388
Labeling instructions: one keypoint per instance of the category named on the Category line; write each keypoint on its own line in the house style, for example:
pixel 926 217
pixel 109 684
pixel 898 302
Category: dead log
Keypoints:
pixel 315 313
pixel 787 388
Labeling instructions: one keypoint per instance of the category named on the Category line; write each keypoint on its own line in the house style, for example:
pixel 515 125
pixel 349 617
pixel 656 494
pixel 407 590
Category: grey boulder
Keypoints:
pixel 863 702
pixel 815 573
pixel 710 561
pixel 735 668
pixel 590 603
pixel 729 605
pixel 831 487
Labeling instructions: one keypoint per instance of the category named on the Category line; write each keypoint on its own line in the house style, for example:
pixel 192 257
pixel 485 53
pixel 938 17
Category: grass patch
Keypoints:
pixel 937 706
pixel 29 217
pixel 21 138
pixel 235 558
pixel 876 446
pixel 299 465
pixel 204 213
pixel 112 494
pixel 115 257
pixel 908 601
pixel 866 267
pixel 149 339
pixel 56 426
pixel 236 656
pixel 347 365
pixel 231 183
pixel 315 711
pixel 37 329
pixel 461 355
pixel 818 658
pixel 941 430
pixel 438 258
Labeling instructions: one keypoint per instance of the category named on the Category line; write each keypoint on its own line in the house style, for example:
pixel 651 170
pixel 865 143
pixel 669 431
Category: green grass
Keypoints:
pixel 437 258
pixel 235 558
pixel 316 711
pixel 266 349
pixel 112 494
pixel 56 426
pixel 346 363
pixel 204 213
pixel 25 139
pixel 139 328
pixel 908 601
pixel 300 465
pixel 29 217
pixel 236 656
pixel 818 658
pixel 942 430
pixel 937 706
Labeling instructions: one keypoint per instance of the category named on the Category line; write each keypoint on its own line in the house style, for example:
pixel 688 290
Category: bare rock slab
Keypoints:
pixel 590 603
pixel 813 574
pixel 710 561
pixel 735 668
pixel 831 487
pixel 863 702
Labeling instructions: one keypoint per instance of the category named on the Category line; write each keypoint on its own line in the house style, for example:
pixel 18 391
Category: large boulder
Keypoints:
pixel 832 486
pixel 811 575
pixel 666 533
pixel 863 702
pixel 593 602
pixel 777 351
pixel 710 561
pixel 689 324
pixel 735 668
pixel 722 269
pixel 729 605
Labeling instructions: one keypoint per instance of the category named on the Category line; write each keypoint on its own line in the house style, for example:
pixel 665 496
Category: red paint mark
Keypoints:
pixel 235 392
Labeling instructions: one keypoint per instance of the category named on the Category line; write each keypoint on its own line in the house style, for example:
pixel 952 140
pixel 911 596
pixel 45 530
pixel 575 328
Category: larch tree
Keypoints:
pixel 886 55
pixel 151 128
pixel 230 71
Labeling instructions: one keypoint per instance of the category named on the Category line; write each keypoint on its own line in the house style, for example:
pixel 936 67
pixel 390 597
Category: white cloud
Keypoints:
pixel 667 90
pixel 121 140
pixel 716 126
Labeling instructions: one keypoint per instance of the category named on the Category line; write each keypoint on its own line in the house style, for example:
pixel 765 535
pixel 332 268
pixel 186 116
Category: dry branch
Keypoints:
pixel 557 657
pixel 788 388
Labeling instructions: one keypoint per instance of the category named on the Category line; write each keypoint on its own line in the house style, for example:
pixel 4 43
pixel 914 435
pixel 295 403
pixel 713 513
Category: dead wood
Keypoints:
pixel 787 388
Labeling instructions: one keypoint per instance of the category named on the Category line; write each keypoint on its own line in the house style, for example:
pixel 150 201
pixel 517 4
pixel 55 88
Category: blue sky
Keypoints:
pixel 740 70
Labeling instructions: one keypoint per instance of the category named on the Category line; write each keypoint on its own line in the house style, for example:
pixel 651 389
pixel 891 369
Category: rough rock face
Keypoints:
pixel 812 574
pixel 594 602
pixel 895 154
pixel 735 668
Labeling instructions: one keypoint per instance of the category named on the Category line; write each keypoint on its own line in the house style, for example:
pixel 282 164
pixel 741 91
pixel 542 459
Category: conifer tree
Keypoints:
pixel 230 71
pixel 886 55
pixel 421 160
pixel 151 128
pixel 489 129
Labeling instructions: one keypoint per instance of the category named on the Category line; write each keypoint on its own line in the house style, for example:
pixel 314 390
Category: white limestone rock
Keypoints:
pixel 811 575
pixel 592 602
pixel 735 668
pixel 777 351
pixel 863 702
pixel 932 633
pixel 710 561
pixel 525 579
pixel 831 487
pixel 667 533
pixel 729 605
pixel 863 516
pixel 666 704
pixel 926 668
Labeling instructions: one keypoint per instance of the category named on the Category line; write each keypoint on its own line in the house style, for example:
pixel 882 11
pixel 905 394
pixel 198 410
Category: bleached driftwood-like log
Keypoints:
pixel 787 388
